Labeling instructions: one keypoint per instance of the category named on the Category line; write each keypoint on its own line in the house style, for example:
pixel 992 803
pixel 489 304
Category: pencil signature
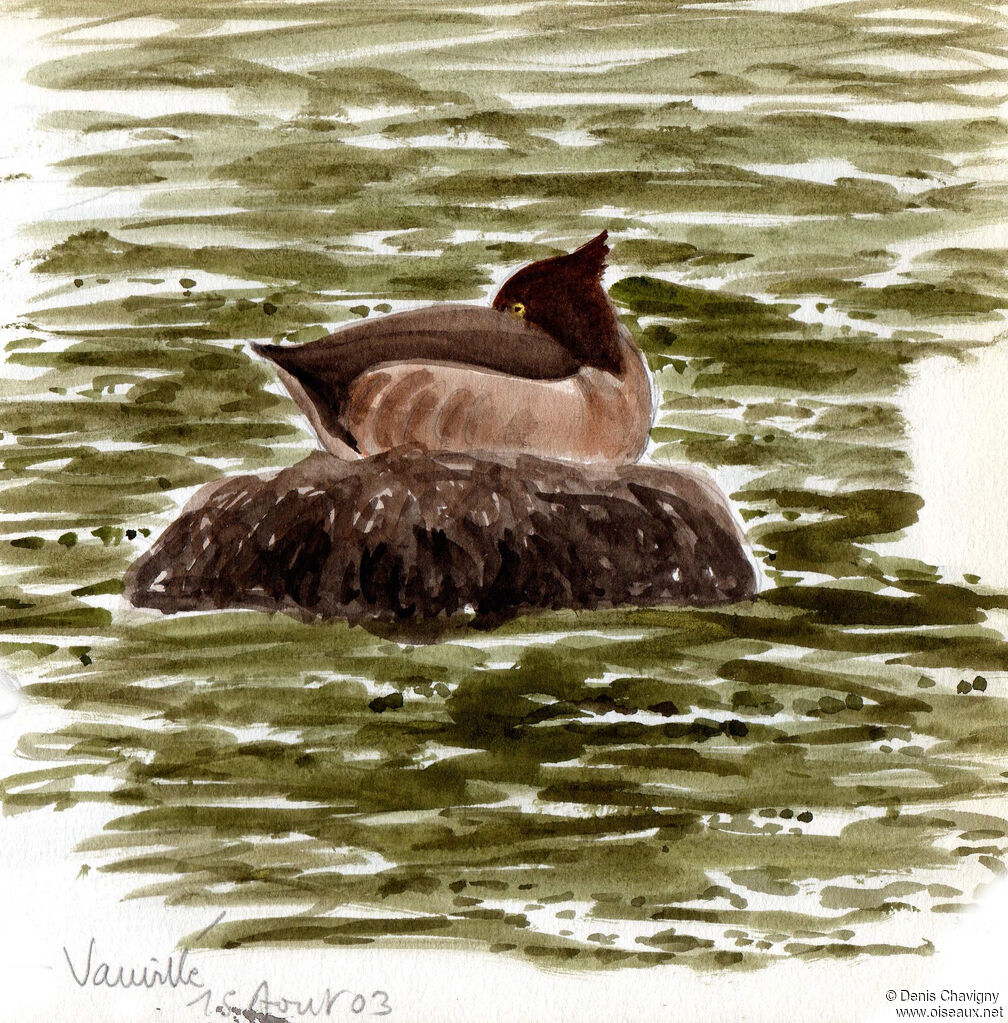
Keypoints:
pixel 171 972
pixel 176 972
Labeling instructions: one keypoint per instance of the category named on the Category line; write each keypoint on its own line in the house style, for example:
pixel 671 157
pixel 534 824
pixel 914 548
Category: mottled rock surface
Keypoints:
pixel 405 535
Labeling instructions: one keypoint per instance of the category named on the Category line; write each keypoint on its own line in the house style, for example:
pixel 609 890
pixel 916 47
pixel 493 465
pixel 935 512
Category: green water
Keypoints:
pixel 817 773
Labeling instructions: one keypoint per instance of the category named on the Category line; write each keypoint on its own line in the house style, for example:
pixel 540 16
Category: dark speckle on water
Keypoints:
pixel 719 788
pixel 383 703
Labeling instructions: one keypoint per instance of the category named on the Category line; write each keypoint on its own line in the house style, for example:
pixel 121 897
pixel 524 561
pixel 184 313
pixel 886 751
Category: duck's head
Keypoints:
pixel 564 296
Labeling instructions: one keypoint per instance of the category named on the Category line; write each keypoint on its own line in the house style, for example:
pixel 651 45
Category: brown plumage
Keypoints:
pixel 411 536
pixel 548 370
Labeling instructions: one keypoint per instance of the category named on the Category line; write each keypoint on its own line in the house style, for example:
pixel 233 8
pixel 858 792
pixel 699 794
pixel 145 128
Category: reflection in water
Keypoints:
pixel 790 777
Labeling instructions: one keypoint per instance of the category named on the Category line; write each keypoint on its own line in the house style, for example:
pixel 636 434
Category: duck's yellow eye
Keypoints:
pixel 517 310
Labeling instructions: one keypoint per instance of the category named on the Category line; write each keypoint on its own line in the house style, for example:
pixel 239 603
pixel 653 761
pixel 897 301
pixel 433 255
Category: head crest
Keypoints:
pixel 591 256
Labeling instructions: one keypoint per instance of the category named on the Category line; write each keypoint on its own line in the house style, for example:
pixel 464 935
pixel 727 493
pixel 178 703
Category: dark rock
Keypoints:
pixel 405 535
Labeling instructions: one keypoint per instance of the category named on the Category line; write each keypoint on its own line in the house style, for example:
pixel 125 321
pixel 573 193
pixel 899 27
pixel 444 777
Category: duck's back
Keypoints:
pixel 468 335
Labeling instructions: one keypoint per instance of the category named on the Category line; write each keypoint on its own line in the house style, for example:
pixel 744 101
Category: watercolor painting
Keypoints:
pixel 463 478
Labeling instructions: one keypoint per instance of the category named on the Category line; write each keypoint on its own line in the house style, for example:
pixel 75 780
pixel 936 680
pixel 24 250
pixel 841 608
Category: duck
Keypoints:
pixel 546 370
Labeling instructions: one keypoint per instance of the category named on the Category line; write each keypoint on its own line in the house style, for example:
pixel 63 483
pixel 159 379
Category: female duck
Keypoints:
pixel 547 370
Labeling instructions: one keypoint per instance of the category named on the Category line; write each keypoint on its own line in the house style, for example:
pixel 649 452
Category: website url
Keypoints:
pixel 959 1012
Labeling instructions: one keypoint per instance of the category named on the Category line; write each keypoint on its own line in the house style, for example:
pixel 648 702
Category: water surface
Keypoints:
pixel 797 202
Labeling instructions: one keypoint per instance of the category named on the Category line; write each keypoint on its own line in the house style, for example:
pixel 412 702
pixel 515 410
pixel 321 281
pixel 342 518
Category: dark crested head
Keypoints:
pixel 564 296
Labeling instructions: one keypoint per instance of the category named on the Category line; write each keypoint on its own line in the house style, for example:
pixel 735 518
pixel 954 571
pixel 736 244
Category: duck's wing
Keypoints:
pixel 461 335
